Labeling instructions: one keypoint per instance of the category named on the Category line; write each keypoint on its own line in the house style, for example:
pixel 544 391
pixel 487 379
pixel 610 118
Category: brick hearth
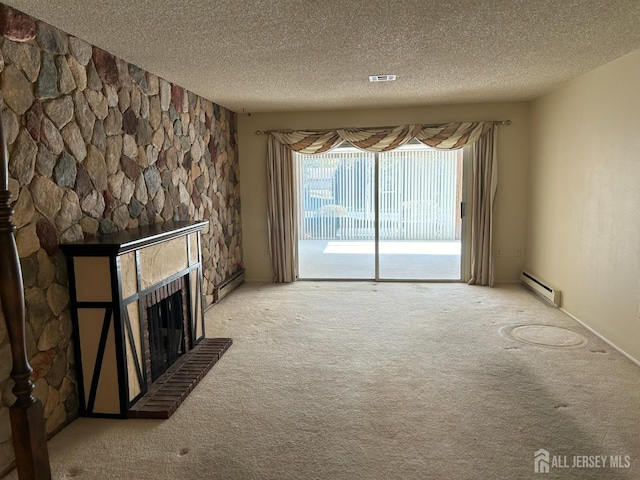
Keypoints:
pixel 170 389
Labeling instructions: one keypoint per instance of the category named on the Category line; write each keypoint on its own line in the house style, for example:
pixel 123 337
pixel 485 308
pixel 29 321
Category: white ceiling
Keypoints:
pixel 286 55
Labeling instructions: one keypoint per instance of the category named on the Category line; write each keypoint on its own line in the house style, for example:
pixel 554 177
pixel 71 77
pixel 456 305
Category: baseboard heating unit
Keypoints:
pixel 546 291
pixel 228 286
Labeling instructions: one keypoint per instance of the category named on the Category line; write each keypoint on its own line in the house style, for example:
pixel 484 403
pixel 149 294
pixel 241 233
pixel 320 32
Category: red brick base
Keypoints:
pixel 169 390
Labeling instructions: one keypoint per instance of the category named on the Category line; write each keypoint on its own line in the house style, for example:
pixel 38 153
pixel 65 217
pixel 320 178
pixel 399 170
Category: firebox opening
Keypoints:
pixel 166 333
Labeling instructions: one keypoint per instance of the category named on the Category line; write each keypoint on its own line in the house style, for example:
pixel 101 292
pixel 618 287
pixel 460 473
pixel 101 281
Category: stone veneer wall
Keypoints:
pixel 98 145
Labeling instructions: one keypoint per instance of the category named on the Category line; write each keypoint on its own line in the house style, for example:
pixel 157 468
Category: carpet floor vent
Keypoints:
pixel 546 291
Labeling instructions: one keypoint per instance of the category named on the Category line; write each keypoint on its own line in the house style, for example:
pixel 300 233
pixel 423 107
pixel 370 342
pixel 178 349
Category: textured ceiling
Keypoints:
pixel 286 55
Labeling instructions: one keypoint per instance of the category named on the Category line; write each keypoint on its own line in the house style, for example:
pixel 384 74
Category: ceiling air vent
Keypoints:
pixel 382 78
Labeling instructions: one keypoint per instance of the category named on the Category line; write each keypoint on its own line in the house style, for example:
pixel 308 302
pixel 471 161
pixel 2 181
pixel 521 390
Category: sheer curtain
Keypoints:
pixel 281 204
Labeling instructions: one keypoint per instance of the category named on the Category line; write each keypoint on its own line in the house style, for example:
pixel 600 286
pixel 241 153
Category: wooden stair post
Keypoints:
pixel 27 420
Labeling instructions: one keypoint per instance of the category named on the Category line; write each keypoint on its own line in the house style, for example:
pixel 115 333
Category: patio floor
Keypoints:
pixel 399 260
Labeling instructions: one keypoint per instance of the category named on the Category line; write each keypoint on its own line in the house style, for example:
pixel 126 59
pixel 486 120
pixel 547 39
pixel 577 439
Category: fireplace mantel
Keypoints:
pixel 111 277
pixel 118 243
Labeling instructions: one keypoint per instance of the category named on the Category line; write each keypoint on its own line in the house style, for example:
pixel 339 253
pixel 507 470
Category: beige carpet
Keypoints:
pixel 330 380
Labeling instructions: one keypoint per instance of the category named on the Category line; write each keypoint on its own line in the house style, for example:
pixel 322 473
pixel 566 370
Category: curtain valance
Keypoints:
pixel 445 137
pixel 449 136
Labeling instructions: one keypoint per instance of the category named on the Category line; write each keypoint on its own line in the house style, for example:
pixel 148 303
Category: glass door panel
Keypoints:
pixel 420 191
pixel 336 215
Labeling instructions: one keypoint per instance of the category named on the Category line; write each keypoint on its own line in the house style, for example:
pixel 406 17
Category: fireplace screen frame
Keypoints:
pixel 157 324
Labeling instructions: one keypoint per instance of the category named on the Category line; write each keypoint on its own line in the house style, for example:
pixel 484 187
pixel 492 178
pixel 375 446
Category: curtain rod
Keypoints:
pixel 265 132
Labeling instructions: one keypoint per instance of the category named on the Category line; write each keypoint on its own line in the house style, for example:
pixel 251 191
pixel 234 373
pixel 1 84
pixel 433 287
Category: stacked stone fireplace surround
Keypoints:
pixel 98 145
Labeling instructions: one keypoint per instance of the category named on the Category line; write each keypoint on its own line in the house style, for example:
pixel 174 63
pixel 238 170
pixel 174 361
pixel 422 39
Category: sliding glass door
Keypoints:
pixel 386 216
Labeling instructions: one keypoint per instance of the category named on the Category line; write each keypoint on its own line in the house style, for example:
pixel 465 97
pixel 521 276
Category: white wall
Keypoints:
pixel 583 228
pixel 512 157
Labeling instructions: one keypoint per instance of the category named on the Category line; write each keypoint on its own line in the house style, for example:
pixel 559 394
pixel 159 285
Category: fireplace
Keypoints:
pixel 138 318
pixel 165 321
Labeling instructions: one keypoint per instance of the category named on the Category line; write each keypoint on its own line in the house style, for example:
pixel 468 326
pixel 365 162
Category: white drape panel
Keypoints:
pixel 281 211
pixel 485 182
pixel 281 205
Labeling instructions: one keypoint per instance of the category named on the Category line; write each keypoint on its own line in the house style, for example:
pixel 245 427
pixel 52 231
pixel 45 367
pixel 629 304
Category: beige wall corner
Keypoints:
pixel 583 226
pixel 513 153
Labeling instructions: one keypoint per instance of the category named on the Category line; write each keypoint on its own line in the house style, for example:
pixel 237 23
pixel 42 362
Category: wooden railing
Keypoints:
pixel 27 422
